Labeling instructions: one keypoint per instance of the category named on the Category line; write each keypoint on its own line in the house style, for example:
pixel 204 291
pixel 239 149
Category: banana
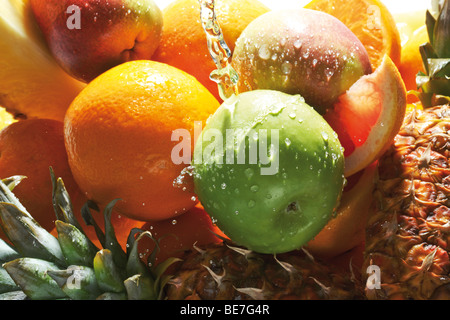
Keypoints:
pixel 32 85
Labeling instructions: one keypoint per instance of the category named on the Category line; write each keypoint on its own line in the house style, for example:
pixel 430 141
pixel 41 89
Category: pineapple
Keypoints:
pixel 407 236
pixel 36 265
pixel 227 272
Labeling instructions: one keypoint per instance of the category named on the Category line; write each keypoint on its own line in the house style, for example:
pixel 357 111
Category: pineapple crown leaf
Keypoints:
pixel 38 265
pixel 28 237
pixel 61 201
pixel 435 82
pixel 90 221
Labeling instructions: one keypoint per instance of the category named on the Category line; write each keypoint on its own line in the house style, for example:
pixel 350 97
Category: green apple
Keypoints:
pixel 269 170
pixel 300 51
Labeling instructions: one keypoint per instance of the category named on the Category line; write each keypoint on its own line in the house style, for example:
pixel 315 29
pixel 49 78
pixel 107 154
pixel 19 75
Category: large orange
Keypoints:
pixel 184 44
pixel 370 21
pixel 118 133
pixel 29 148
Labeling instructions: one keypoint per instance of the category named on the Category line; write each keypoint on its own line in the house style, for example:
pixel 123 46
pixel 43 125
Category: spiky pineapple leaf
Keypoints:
pixel 135 265
pixel 435 82
pixel 77 248
pixel 14 295
pixel 12 182
pixel 7 284
pixel 441 32
pixel 7 253
pixel 108 275
pixel 28 237
pixel 41 266
pixel 90 221
pixel 111 243
pixel 61 201
pixel 31 275
pixel 77 282
pixel 7 196
pixel 140 287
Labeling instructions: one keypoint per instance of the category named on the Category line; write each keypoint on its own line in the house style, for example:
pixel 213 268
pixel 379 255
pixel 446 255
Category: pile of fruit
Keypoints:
pixel 129 173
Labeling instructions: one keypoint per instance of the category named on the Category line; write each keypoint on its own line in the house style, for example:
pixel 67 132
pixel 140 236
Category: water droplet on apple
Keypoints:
pixel 329 72
pixel 264 52
pixel 288 142
pixel 248 173
pixel 254 188
pixel 306 54
pixel 286 67
pixel 251 203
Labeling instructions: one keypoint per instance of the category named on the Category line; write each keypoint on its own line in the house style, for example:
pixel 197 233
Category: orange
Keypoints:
pixel 184 44
pixel 370 21
pixel 411 59
pixel 346 229
pixel 369 115
pixel 175 236
pixel 119 132
pixel 29 148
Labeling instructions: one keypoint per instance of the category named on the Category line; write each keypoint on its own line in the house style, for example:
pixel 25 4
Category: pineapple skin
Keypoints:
pixel 408 232
pixel 222 272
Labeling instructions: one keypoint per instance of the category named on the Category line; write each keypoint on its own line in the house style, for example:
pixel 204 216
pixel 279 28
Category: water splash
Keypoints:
pixel 225 76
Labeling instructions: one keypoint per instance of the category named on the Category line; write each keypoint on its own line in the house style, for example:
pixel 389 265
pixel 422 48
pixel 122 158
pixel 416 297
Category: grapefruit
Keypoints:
pixel 368 116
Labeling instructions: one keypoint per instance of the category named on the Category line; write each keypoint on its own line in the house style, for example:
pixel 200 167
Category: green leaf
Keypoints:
pixel 430 22
pixel 76 246
pixel 7 253
pixel 7 284
pixel 113 296
pixel 13 295
pixel 439 68
pixel 77 282
pixel 7 196
pixel 158 274
pixel 90 221
pixel 427 52
pixel 109 276
pixel 111 243
pixel 61 202
pixel 13 181
pixel 441 35
pixel 140 287
pixel 135 265
pixel 28 237
pixel 31 275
